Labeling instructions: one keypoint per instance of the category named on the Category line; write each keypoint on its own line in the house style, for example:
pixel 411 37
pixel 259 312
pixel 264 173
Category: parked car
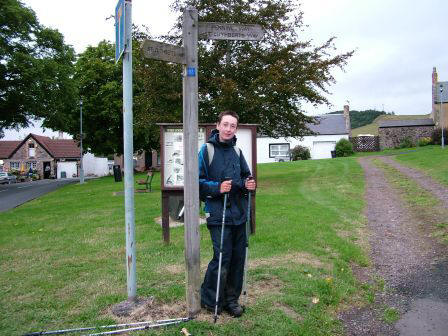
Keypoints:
pixel 7 178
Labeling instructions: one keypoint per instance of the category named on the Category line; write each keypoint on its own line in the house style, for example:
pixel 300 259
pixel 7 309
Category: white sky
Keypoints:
pixel 397 44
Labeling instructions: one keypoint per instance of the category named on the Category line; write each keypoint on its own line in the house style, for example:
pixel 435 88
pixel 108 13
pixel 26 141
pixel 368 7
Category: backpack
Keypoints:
pixel 211 152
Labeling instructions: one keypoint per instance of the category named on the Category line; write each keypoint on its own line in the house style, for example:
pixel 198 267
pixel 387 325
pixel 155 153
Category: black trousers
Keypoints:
pixel 232 267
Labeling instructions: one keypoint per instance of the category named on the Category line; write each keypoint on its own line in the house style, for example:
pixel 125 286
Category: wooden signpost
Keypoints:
pixel 188 56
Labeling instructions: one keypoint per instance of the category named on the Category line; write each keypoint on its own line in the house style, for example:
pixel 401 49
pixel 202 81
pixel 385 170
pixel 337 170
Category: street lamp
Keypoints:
pixel 81 168
pixel 441 116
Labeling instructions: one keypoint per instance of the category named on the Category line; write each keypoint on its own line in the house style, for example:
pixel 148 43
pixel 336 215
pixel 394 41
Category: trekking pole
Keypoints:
pixel 246 259
pixel 124 325
pixel 220 254
pixel 145 327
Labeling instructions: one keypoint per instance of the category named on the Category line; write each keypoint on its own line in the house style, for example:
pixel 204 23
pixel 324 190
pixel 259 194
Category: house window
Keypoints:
pixel 31 164
pixel 14 165
pixel 31 150
pixel 278 150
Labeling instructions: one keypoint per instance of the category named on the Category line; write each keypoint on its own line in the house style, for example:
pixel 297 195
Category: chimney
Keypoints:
pixel 434 93
pixel 347 120
pixel 61 135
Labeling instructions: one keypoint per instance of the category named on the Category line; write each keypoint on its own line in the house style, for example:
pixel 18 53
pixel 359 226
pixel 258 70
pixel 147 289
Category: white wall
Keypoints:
pixel 95 165
pixel 320 146
pixel 69 167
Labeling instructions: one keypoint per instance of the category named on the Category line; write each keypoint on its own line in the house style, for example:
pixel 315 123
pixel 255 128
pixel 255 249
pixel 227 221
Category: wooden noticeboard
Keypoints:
pixel 172 162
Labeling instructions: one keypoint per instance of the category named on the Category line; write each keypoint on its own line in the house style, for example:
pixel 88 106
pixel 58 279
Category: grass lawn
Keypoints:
pixel 63 255
pixel 433 160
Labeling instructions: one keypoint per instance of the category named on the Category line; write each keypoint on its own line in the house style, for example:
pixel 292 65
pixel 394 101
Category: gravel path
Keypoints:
pixel 412 264
pixel 426 182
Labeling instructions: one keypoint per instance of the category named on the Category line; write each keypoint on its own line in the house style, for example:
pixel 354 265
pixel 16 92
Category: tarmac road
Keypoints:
pixel 13 195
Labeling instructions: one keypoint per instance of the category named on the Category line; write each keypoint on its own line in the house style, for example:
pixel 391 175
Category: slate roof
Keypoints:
pixel 406 123
pixel 7 147
pixel 57 148
pixel 329 124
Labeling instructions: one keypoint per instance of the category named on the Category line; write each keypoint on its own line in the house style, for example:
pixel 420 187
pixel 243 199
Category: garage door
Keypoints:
pixel 322 149
pixel 69 168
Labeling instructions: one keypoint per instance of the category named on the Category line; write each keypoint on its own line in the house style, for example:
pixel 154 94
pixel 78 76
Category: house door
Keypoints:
pixel 47 170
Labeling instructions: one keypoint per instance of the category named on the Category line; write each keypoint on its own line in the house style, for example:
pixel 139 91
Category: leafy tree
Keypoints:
pixel 264 81
pixel 36 69
pixel 157 97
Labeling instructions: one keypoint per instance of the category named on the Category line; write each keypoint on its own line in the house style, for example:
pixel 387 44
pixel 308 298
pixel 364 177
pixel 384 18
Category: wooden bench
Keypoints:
pixel 146 182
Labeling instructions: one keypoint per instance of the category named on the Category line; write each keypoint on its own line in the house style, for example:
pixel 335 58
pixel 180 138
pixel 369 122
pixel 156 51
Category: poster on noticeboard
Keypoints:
pixel 173 166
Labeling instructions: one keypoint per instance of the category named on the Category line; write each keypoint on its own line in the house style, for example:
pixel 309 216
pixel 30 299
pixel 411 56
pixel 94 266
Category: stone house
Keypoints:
pixel 49 157
pixel 393 132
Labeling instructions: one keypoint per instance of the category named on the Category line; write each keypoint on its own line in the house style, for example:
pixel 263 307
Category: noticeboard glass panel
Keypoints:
pixel 173 165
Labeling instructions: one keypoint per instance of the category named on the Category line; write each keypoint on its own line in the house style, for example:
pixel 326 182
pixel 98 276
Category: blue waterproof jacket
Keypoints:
pixel 226 163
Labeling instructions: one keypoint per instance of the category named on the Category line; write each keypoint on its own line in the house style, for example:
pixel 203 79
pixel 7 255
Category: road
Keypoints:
pixel 13 195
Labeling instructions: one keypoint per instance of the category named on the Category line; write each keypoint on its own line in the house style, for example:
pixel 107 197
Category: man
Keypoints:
pixel 226 172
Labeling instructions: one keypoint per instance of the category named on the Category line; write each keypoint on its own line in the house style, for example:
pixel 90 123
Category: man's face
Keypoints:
pixel 227 128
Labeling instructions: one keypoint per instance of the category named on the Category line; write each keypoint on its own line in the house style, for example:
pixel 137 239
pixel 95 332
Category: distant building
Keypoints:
pixel 50 158
pixel 439 99
pixel 331 128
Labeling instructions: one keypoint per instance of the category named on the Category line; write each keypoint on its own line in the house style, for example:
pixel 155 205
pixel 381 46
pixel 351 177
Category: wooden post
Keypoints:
pixel 191 169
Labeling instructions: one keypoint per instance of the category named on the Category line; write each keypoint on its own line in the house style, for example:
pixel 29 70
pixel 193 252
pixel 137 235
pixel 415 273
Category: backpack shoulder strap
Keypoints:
pixel 210 152
pixel 237 150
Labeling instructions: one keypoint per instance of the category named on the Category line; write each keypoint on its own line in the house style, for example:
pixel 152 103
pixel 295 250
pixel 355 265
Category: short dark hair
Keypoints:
pixel 230 113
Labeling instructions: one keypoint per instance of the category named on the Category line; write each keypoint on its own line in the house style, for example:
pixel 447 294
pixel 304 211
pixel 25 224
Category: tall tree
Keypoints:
pixel 36 69
pixel 266 82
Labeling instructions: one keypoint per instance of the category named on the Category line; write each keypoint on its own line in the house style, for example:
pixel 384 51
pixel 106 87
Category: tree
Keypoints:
pixel 266 82
pixel 36 69
pixel 157 97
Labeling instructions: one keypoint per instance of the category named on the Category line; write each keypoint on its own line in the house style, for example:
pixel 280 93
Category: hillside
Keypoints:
pixel 361 118
pixel 373 127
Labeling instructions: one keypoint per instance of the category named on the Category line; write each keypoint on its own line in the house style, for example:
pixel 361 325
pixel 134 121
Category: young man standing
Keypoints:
pixel 227 172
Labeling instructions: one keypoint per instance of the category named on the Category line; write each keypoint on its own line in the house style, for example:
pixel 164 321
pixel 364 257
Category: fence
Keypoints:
pixel 366 143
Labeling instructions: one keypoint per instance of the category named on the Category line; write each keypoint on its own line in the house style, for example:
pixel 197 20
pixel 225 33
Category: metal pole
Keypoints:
pixel 128 156
pixel 191 178
pixel 81 166
pixel 441 117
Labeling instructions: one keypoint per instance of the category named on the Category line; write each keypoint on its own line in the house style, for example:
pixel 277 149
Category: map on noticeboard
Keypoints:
pixel 120 21
pixel 173 169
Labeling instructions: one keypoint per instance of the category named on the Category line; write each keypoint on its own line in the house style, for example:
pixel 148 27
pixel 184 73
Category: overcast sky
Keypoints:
pixel 396 43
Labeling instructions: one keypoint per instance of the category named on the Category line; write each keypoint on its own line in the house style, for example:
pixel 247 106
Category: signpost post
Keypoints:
pixel 123 47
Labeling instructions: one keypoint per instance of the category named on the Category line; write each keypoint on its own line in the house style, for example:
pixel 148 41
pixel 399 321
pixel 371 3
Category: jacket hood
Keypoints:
pixel 214 139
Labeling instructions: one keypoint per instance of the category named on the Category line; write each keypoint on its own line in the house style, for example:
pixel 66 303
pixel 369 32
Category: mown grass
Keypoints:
pixel 63 255
pixel 433 161
pixel 423 204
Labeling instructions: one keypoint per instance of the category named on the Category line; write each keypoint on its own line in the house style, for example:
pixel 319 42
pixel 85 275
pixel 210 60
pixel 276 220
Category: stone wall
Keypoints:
pixel 391 137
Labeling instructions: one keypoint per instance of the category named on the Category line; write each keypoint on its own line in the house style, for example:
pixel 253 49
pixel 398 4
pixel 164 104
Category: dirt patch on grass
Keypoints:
pixel 298 258
pixel 151 309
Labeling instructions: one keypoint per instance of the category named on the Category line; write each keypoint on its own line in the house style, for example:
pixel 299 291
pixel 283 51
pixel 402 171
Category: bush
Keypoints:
pixel 437 136
pixel 344 148
pixel 300 153
pixel 406 143
pixel 424 141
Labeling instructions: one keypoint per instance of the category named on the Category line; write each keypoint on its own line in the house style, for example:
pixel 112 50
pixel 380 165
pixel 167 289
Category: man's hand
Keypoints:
pixel 225 186
pixel 251 184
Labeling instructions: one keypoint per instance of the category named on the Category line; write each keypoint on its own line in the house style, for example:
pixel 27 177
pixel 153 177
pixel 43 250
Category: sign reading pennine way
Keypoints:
pixel 230 31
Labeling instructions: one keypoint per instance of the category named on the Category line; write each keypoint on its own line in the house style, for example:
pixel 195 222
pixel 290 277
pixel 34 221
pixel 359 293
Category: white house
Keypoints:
pixel 331 129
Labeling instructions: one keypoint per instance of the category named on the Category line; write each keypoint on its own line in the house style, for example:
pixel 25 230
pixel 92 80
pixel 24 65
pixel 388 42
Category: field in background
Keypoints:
pixel 373 127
